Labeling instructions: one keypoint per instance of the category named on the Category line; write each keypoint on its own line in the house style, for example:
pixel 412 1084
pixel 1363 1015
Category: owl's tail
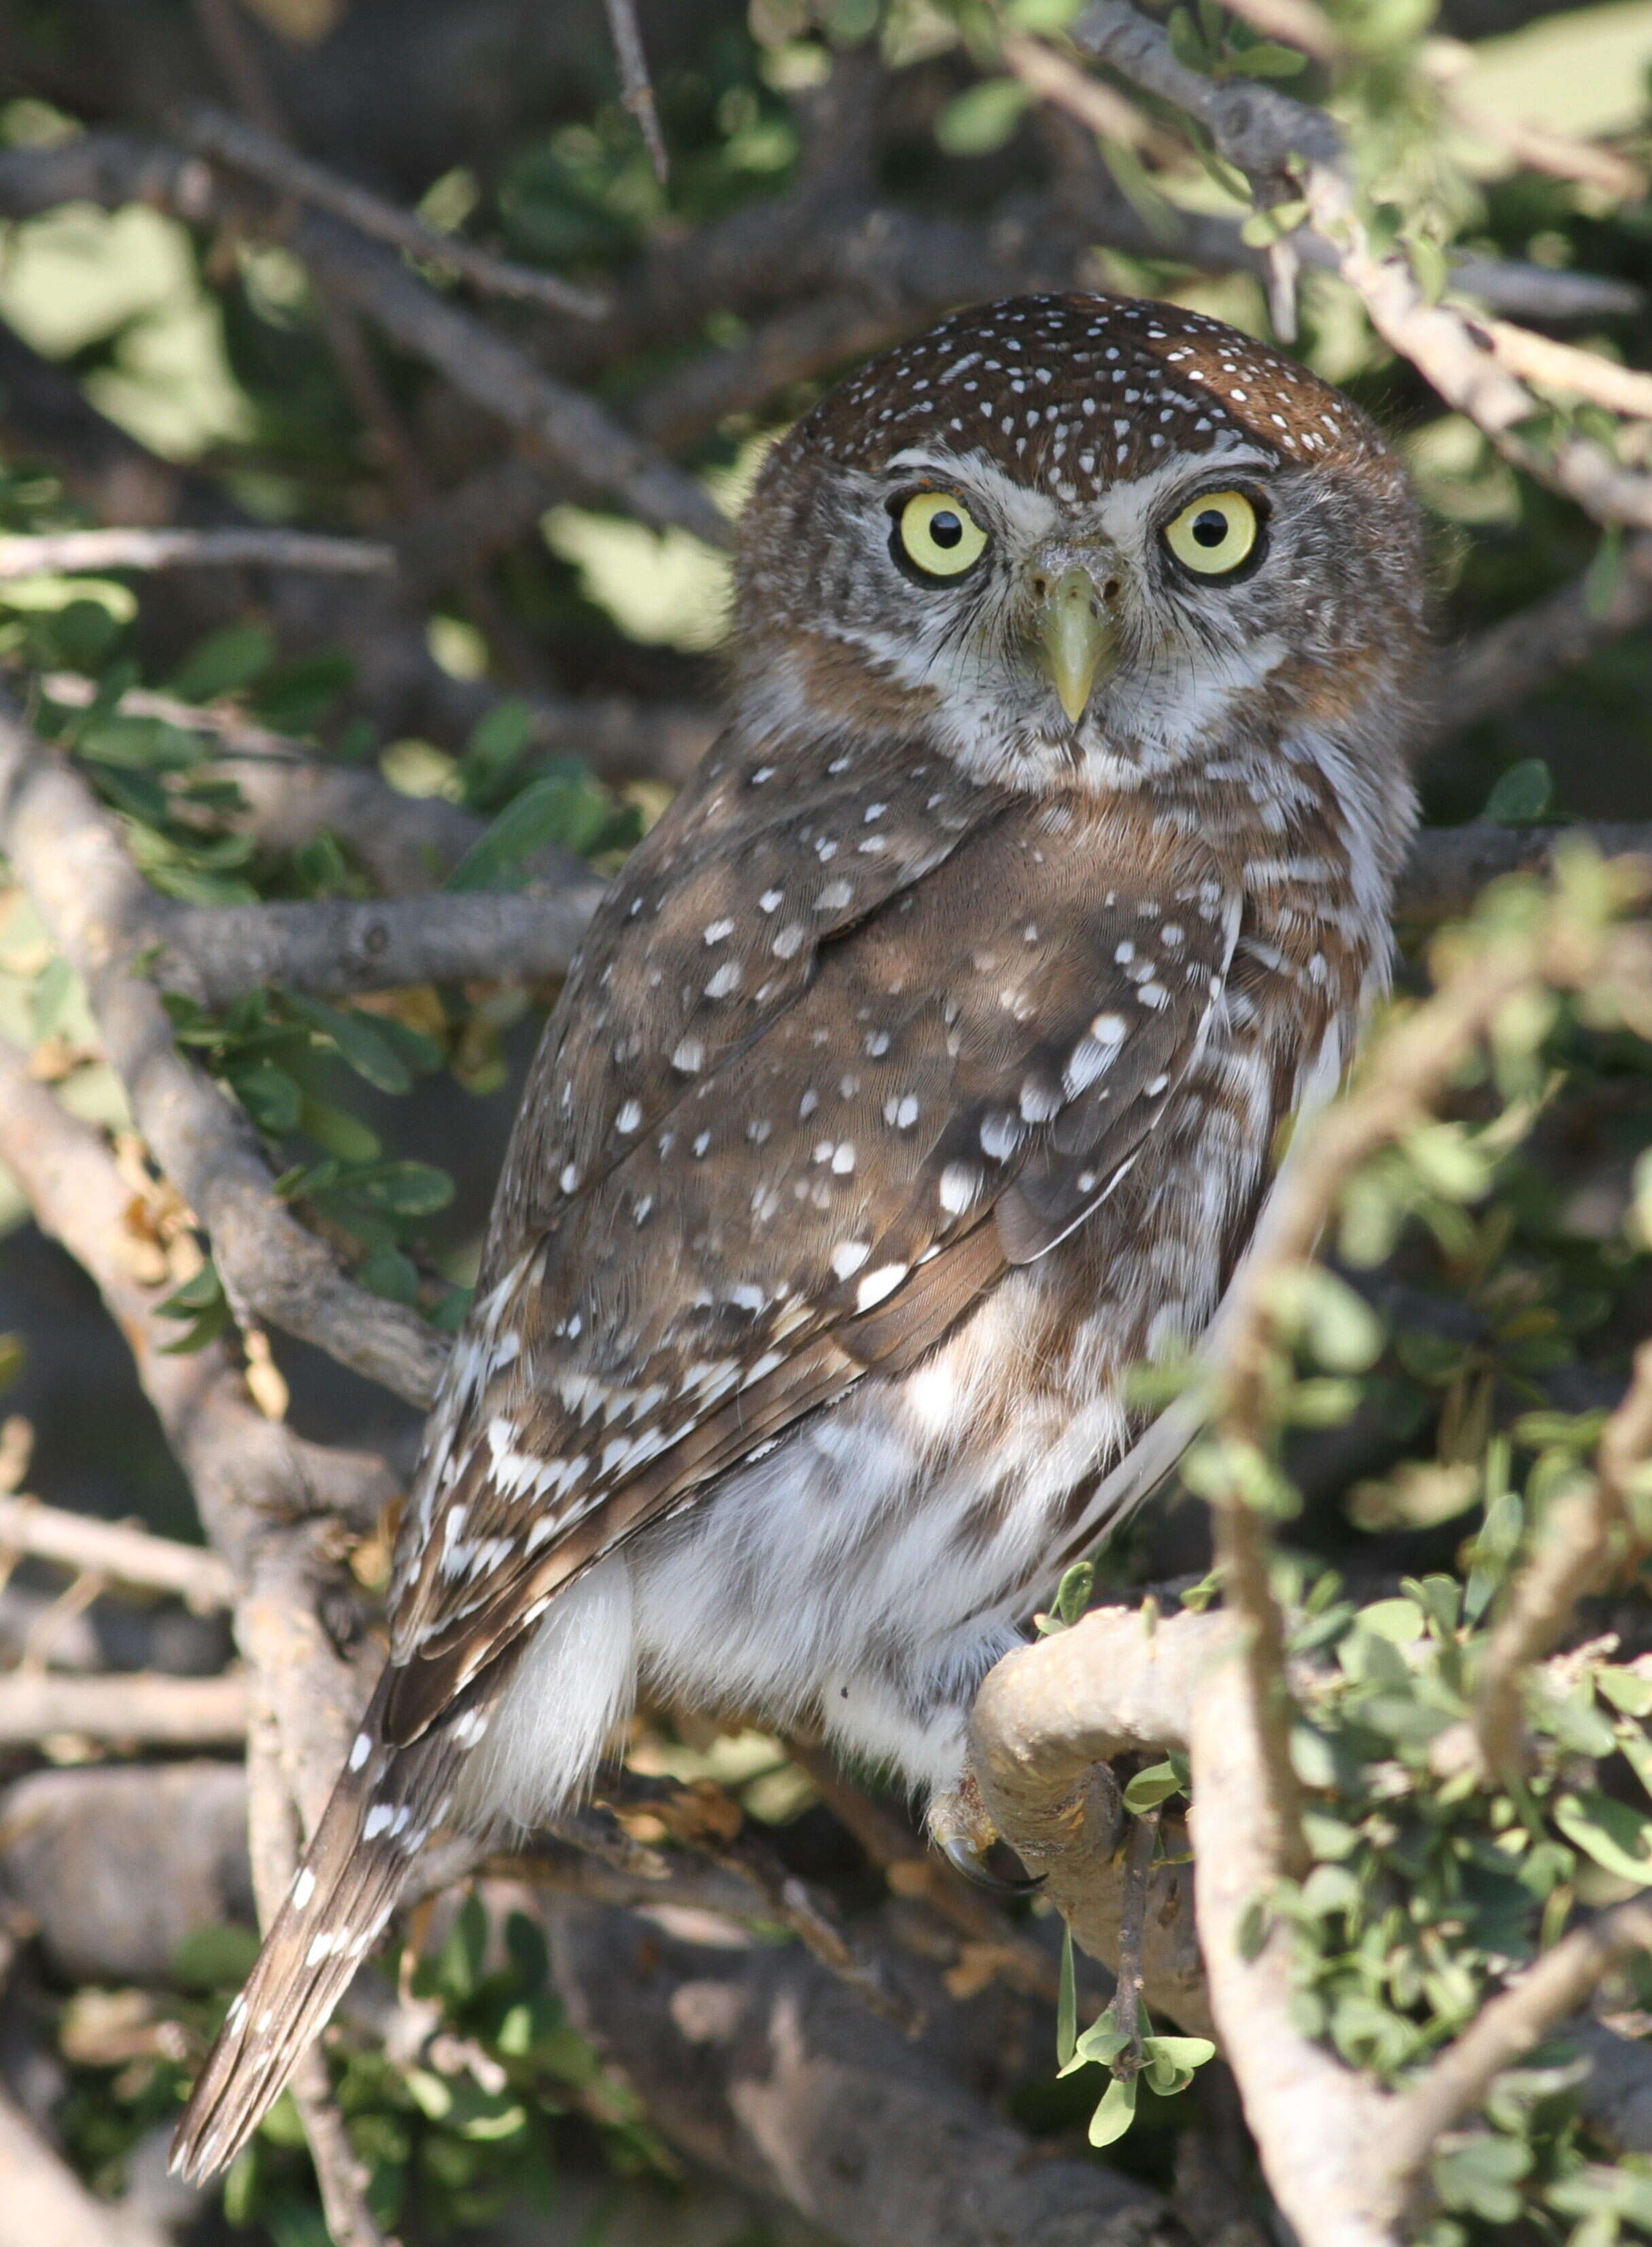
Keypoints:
pixel 356 1867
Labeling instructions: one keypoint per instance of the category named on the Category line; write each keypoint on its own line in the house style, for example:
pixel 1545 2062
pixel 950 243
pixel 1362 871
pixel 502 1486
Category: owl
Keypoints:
pixel 923 1072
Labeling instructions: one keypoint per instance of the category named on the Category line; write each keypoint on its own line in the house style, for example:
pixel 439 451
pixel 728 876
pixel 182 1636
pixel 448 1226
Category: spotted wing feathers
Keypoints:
pixel 955 1080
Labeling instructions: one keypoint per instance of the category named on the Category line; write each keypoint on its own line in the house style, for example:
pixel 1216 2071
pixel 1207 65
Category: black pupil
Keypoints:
pixel 1210 528
pixel 946 529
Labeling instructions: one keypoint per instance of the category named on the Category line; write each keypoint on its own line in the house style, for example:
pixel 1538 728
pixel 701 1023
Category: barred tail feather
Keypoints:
pixel 355 1869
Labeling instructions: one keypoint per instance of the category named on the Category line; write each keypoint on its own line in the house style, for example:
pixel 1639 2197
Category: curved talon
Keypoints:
pixel 973 1866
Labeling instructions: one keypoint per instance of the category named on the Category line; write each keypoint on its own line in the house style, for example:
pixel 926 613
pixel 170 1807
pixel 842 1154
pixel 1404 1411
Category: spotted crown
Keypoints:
pixel 1077 392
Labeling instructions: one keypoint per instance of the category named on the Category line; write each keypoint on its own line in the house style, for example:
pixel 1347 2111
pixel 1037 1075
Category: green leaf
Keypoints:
pixel 1619 1839
pixel 1100 2045
pixel 1398 1620
pixel 1626 1689
pixel 347 1137
pixel 1338 1325
pixel 1073 1593
pixel 498 744
pixel 1479 2173
pixel 51 995
pixel 201 1302
pixel 1267 58
pixel 1117 2111
pixel 982 118
pixel 543 814
pixel 1522 794
pixel 269 1096
pixel 357 1038
pixel 215 1958
pixel 1170 2061
pixel 400 1188
pixel 389 1273
pixel 224 662
pixel 1604 574
pixel 1150 1787
pixel 1067 2004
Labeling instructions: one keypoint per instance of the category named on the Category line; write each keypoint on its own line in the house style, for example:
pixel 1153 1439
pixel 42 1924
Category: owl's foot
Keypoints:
pixel 966 1837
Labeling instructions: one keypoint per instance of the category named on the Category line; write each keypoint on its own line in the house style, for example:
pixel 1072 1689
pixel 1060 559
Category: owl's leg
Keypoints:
pixel 966 1837
pixel 913 1713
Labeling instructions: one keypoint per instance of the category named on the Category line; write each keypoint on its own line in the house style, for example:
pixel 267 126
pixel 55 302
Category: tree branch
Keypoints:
pixel 1285 148
pixel 600 459
pixel 44 2200
pixel 64 850
pixel 1547 1996
pixel 114 1550
pixel 261 156
pixel 1581 1548
pixel 123 1710
pixel 66 551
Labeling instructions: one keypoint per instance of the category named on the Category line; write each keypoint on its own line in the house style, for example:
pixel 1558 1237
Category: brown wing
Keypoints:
pixel 958 1076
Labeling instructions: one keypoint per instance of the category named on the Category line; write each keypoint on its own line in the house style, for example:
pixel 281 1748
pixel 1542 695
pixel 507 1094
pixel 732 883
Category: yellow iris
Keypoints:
pixel 939 535
pixel 1213 533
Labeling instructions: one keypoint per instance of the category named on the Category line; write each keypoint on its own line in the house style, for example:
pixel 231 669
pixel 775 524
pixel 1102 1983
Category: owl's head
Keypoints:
pixel 1062 531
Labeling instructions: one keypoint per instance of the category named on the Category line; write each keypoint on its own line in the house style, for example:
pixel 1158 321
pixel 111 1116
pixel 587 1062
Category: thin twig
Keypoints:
pixel 1548 1994
pixel 1581 1548
pixel 635 87
pixel 1132 1934
pixel 257 154
pixel 1287 148
pixel 1052 77
pixel 115 1551
pixel 66 550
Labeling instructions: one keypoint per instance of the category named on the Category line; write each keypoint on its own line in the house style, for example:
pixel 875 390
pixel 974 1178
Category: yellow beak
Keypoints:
pixel 1078 639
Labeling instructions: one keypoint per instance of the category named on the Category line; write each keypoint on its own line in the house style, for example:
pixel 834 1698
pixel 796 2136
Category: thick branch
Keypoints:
pixel 1040 1738
pixel 114 1550
pixel 268 1501
pixel 65 850
pixel 161 1712
pixel 1316 2124
pixel 45 2200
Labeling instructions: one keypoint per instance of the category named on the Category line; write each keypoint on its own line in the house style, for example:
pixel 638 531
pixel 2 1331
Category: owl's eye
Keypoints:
pixel 939 535
pixel 1213 534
